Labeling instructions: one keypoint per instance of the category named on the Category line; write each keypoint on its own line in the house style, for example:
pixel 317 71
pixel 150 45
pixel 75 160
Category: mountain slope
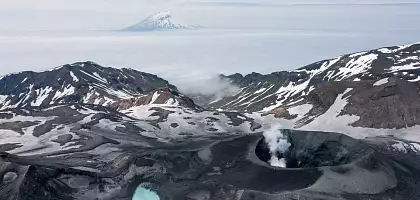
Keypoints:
pixel 157 21
pixel 265 92
pixel 84 82
pixel 380 89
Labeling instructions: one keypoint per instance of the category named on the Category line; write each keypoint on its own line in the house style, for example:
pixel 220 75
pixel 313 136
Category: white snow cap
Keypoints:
pixel 157 21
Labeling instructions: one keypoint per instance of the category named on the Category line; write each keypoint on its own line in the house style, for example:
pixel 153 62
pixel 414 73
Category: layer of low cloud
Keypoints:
pixel 206 90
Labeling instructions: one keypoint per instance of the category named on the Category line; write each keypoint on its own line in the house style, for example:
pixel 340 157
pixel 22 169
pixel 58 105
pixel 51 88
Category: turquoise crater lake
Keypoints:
pixel 145 194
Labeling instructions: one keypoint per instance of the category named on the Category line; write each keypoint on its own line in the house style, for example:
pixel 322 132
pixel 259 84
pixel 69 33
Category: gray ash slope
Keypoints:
pixel 217 168
pixel 378 78
pixel 100 132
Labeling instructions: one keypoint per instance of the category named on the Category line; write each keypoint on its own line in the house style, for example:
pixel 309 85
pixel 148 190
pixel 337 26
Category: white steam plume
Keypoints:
pixel 277 142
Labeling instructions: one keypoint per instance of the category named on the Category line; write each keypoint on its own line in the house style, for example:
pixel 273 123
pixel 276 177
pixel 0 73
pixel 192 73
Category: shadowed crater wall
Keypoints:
pixel 317 149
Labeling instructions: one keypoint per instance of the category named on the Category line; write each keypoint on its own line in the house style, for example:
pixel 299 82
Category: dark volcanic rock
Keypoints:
pixel 392 105
pixel 16 126
pixel 63 139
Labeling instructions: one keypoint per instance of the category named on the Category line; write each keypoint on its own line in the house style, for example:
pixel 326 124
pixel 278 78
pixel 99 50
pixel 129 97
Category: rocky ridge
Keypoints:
pixel 103 132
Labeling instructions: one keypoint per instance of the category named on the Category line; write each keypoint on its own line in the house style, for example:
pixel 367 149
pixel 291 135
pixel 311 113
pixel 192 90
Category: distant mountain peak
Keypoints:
pixel 157 21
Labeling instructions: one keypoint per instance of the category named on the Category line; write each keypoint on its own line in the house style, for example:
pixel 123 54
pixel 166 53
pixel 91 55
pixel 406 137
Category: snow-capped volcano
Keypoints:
pixel 157 21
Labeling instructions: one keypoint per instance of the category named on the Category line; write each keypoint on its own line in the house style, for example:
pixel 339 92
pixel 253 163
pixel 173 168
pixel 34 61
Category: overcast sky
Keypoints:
pixel 240 36
pixel 113 14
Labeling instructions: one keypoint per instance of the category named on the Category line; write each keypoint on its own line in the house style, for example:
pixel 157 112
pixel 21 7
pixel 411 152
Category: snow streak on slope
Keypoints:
pixel 288 87
pixel 75 79
pixel 85 82
pixel 293 89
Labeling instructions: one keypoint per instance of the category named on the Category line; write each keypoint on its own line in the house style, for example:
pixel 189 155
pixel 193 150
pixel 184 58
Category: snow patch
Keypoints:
pixel 100 78
pixel 118 93
pixel 411 66
pixel 331 119
pixel 26 78
pixel 95 76
pixel 75 79
pixel 293 88
pixel 69 90
pixel 355 66
pixel 385 50
pixel 381 82
pixel 260 90
pixel 357 54
pixel 300 110
pixel 3 98
pixel 415 80
pixel 406 147
pixel 42 94
pixel 154 97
